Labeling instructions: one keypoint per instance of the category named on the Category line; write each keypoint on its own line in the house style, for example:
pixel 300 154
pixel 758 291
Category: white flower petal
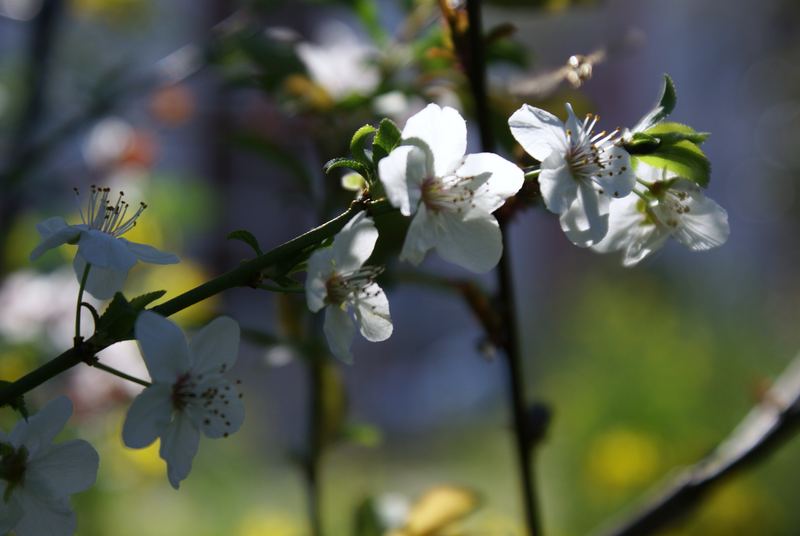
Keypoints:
pixel 40 430
pixel 224 415
pixel 339 331
pixel 103 250
pixel 586 221
pixel 618 178
pixel 163 347
pixel 475 244
pixel 420 237
pixel 65 468
pixel 499 178
pixel 372 313
pixel 402 173
pixel 54 232
pixel 645 240
pixel 178 448
pixel 624 216
pixel 215 347
pixel 148 416
pixel 45 515
pixel 445 133
pixel 102 283
pixel 353 245
pixel 559 188
pixel 149 254
pixel 705 226
pixel 538 131
pixel 320 267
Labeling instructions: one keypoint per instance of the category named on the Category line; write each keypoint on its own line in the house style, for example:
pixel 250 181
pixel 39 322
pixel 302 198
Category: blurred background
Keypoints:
pixel 220 114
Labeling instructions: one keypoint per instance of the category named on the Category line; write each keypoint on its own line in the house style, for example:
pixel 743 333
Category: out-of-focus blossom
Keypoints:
pixel 39 477
pixel 339 282
pixel 93 389
pixel 33 305
pixel 580 171
pixel 100 243
pixel 340 62
pixel 672 207
pixel 450 195
pixel 189 394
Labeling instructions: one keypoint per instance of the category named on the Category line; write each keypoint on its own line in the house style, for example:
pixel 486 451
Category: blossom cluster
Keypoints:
pixel 612 191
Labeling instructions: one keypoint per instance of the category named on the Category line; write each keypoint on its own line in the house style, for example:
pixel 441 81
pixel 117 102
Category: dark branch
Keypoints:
pixel 762 431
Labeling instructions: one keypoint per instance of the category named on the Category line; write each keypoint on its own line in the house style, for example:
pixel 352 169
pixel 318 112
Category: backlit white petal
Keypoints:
pixel 178 448
pixel 372 313
pixel 224 415
pixel 320 267
pixel 163 347
pixel 215 347
pixel 103 250
pixel 559 188
pixel 102 283
pixel 45 514
pixel 339 331
pixel 475 244
pixel 146 253
pixel 399 169
pixel 54 232
pixel 148 416
pixel 40 429
pixel 538 131
pixel 65 468
pixel 586 221
pixel 496 179
pixel 445 133
pixel 420 237
pixel 353 245
pixel 705 226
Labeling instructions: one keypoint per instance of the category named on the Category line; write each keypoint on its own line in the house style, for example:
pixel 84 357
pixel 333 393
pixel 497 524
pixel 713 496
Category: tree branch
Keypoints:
pixel 774 420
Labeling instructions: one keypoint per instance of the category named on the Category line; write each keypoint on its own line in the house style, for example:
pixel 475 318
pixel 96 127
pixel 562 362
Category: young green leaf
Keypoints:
pixel 683 158
pixel 350 163
pixel 666 103
pixel 358 141
pixel 248 238
pixel 386 139
pixel 669 132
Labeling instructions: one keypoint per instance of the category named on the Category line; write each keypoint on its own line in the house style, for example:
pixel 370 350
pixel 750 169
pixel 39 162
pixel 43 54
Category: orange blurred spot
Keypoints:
pixel 173 105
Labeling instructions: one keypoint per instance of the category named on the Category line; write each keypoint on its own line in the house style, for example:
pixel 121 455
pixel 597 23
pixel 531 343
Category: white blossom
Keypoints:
pixel 189 394
pixel 339 282
pixel 580 171
pixel 39 477
pixel 450 195
pixel 671 207
pixel 341 63
pixel 100 243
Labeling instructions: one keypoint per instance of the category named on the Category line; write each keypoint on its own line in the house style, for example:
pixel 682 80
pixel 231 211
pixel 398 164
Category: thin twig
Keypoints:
pixel 774 420
pixel 475 65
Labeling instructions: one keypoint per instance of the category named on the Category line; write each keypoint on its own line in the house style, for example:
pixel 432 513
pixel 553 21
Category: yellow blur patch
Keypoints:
pixel 314 95
pixel 177 279
pixel 437 510
pixel 267 523
pixel 12 366
pixel 622 458
pixel 145 460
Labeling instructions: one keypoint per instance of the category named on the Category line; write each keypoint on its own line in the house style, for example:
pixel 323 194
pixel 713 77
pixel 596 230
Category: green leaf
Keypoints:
pixel 387 138
pixel 118 319
pixel 17 404
pixel 666 103
pixel 355 165
pixel 358 141
pixel 670 132
pixel 684 158
pixel 248 238
pixel 140 302
pixel 641 143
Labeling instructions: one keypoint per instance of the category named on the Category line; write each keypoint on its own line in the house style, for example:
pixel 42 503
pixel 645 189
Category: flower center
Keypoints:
pixel 341 286
pixel 589 155
pixel 103 215
pixel 675 204
pixel 453 195
pixel 13 465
